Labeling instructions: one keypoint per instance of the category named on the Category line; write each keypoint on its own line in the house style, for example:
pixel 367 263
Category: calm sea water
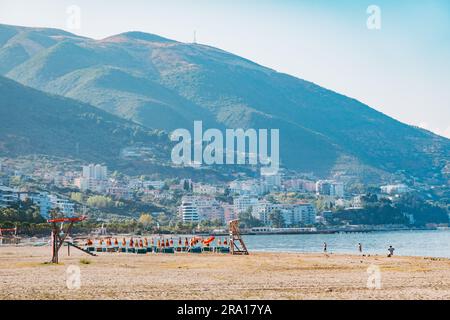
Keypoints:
pixel 434 243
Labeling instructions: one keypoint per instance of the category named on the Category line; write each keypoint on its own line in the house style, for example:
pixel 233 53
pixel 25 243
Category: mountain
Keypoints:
pixel 34 122
pixel 165 84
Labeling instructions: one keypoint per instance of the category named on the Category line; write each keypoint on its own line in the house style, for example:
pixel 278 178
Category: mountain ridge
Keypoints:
pixel 166 84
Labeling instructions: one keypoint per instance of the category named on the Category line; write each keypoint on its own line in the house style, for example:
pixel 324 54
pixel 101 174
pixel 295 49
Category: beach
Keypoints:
pixel 26 274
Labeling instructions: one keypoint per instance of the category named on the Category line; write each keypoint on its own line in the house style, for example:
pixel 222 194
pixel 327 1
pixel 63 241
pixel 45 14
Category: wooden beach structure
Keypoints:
pixel 9 235
pixel 9 232
pixel 59 235
pixel 237 245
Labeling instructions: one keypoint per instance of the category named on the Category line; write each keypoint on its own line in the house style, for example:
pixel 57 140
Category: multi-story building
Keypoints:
pixel 271 182
pixel 50 202
pixel 200 208
pixel 304 213
pixel 120 192
pixel 228 212
pixel 243 203
pixel 293 214
pixel 211 210
pixel 330 188
pixel 66 207
pixel 199 188
pixel 43 201
pixel 247 187
pixel 189 210
pixel 97 172
pixel 156 184
pixel 94 178
pixel 395 189
pixel 8 196
pixel 357 201
pixel 262 209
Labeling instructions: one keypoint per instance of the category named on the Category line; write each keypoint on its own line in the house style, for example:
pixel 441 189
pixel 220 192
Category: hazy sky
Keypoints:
pixel 402 69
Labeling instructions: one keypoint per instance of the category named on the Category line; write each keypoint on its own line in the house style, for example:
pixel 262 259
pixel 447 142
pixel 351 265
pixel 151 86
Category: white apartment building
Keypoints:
pixel 293 214
pixel 199 188
pixel 248 187
pixel 95 171
pixel 357 201
pixel 395 189
pixel 94 178
pixel 120 192
pixel 189 210
pixel 304 213
pixel 330 188
pixel 156 184
pixel 8 196
pixel 48 202
pixel 210 209
pixel 273 180
pixel 198 208
pixel 66 207
pixel 262 210
pixel 243 203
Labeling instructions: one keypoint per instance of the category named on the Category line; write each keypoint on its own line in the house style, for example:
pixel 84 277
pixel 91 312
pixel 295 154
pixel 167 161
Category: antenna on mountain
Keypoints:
pixel 195 37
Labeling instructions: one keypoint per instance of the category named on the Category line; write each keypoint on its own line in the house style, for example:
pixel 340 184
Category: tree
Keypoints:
pixel 276 217
pixel 100 202
pixel 15 181
pixel 56 213
pixel 77 197
pixel 248 220
pixel 146 220
pixel 186 185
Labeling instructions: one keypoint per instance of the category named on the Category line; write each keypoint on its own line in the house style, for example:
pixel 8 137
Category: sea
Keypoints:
pixel 422 243
pixel 426 243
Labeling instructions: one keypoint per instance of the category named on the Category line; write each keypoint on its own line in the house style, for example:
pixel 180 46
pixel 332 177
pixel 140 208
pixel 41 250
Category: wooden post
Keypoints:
pixel 237 245
pixel 54 245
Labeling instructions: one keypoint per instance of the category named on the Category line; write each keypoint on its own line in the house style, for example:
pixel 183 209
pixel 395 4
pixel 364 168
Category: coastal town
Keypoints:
pixel 285 202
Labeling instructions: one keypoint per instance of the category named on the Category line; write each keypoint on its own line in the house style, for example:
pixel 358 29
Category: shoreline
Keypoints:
pixel 257 251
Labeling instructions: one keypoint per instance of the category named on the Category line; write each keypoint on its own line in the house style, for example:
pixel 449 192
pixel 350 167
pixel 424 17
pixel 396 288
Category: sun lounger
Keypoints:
pixel 195 250
pixel 223 249
pixel 168 250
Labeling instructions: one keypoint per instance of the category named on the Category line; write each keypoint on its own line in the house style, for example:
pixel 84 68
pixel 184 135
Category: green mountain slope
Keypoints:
pixel 33 122
pixel 161 83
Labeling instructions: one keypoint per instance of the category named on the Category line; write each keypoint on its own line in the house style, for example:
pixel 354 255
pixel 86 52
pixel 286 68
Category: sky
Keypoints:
pixel 401 67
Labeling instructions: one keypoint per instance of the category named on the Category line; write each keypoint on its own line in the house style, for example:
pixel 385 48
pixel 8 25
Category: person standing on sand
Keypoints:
pixel 391 251
pixel 325 247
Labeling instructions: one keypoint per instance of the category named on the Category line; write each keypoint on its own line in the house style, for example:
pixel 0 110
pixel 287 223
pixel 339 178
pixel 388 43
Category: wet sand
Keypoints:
pixel 24 274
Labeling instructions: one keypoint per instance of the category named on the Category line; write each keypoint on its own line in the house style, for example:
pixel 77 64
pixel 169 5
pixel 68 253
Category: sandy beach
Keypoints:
pixel 24 274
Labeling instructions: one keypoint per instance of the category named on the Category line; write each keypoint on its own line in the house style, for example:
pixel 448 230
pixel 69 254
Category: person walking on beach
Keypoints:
pixel 324 247
pixel 391 251
pixel 360 247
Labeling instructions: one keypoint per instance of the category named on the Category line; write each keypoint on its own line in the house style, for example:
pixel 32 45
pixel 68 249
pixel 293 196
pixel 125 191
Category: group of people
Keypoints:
pixel 360 249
